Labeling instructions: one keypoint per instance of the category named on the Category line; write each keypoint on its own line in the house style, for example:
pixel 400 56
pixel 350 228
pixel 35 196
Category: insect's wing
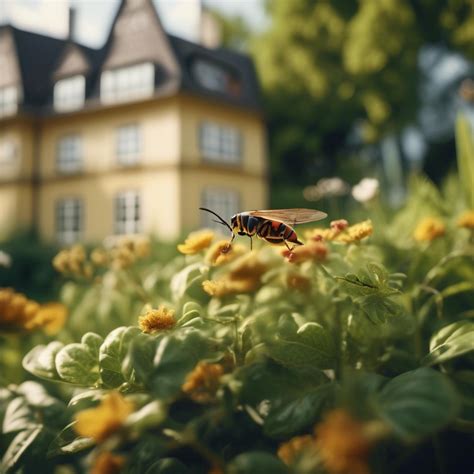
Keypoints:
pixel 290 216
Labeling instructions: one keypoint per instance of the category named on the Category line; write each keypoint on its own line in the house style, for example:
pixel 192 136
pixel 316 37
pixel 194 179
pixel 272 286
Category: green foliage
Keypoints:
pixel 465 154
pixel 379 333
pixel 329 68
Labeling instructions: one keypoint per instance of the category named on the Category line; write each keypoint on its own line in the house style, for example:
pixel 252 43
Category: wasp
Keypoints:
pixel 274 226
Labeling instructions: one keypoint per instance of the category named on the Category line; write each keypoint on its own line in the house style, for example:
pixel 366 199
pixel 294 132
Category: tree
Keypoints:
pixel 339 72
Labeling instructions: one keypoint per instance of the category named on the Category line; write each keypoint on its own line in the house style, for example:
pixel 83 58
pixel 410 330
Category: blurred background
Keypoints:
pixel 121 117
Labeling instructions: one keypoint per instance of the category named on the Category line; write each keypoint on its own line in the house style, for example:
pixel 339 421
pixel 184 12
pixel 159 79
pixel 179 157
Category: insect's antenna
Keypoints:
pixel 222 221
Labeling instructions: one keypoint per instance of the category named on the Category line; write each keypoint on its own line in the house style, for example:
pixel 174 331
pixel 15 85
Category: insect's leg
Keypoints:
pixel 287 246
pixel 251 242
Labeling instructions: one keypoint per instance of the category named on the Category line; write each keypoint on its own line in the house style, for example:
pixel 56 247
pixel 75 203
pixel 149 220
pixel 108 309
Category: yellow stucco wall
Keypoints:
pixel 15 187
pixel 170 177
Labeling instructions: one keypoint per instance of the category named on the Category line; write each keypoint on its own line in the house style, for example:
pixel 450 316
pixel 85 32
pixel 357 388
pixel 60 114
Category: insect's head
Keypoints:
pixel 234 223
pixel 222 221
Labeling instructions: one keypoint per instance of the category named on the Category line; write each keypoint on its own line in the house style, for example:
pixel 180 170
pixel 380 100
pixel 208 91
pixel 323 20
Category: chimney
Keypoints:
pixel 210 31
pixel 71 32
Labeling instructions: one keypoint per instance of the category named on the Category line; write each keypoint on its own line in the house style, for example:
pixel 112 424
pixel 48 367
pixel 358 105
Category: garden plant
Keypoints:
pixel 351 354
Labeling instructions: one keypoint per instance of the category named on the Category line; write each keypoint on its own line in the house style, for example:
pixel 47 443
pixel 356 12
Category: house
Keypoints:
pixel 129 138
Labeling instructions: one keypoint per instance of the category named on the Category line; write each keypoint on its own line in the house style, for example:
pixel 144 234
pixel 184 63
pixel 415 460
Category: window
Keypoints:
pixel 69 93
pixel 8 100
pixel 132 82
pixel 220 143
pixel 69 220
pixel 127 213
pixel 222 201
pixel 128 144
pixel 214 77
pixel 8 152
pixel 69 154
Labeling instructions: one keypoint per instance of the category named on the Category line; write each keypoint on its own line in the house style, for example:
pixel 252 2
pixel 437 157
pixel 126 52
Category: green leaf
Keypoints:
pixel 112 354
pixel 78 363
pixel 140 357
pixel 287 418
pixel 40 361
pixel 149 416
pixel 20 443
pixel 256 462
pixel 68 442
pixel 451 341
pixel 417 403
pixel 176 356
pixel 263 381
pixel 190 311
pixel 464 381
pixel 310 346
pixel 185 279
pixel 19 416
pixel 379 308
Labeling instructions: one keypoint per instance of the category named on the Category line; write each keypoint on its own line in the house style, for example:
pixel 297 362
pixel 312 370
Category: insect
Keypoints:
pixel 273 226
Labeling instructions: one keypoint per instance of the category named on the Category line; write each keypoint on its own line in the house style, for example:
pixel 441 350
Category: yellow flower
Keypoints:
pixel 157 320
pixel 429 229
pixel 99 257
pixel 313 251
pixel 466 220
pixel 343 443
pixel 107 463
pixel 105 419
pixel 196 242
pixel 50 316
pixel 60 261
pixel 202 383
pixel 247 267
pixel 221 253
pixel 355 232
pixel 224 286
pixel 340 232
pixel 293 448
pixel 18 312
pixel 142 246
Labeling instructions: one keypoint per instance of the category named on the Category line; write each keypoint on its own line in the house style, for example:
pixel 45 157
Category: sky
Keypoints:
pixel 94 17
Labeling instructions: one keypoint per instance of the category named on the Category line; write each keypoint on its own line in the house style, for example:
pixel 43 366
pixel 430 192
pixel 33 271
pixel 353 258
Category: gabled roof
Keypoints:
pixel 39 57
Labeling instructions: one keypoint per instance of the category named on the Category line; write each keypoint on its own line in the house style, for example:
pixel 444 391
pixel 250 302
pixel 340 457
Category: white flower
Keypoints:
pixel 5 259
pixel 326 187
pixel 366 190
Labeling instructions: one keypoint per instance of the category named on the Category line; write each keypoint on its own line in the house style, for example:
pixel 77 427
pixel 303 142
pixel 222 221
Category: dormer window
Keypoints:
pixel 8 100
pixel 127 83
pixel 69 93
pixel 215 77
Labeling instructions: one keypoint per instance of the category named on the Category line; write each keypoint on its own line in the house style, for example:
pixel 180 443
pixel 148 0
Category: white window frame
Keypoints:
pixel 127 83
pixel 69 220
pixel 223 201
pixel 69 93
pixel 128 144
pixel 8 151
pixel 127 213
pixel 69 154
pixel 9 98
pixel 220 143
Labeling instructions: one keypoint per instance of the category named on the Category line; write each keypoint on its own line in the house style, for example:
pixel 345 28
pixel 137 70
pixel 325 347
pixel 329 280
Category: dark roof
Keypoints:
pixel 39 56
pixel 186 51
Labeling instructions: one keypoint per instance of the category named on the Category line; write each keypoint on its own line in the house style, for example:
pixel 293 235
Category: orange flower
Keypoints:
pixel 340 232
pixel 313 251
pixel 19 312
pixel 466 220
pixel 343 443
pixel 295 447
pixel 429 229
pixel 224 286
pixel 202 383
pixel 107 463
pixel 196 242
pixel 157 320
pixel 105 419
pixel 221 253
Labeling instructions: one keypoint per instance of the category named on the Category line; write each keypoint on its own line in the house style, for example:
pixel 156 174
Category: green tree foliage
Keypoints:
pixel 330 67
